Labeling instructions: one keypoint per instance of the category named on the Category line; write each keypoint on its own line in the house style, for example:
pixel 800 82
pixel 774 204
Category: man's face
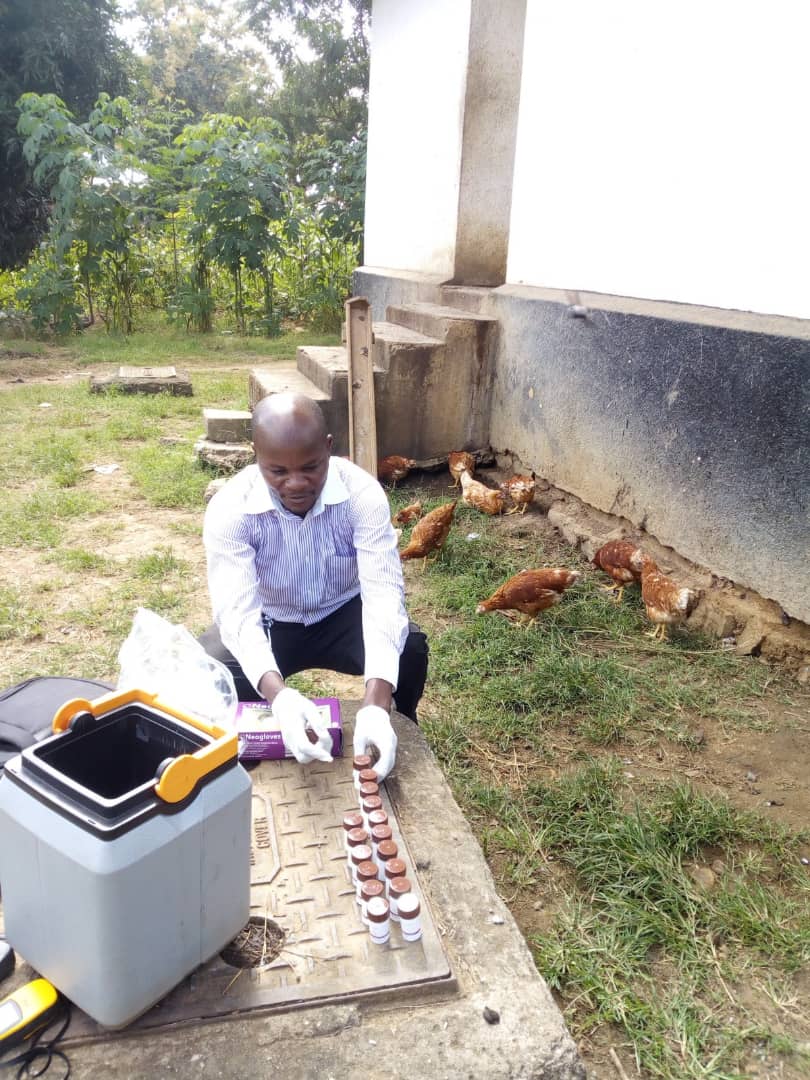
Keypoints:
pixel 296 472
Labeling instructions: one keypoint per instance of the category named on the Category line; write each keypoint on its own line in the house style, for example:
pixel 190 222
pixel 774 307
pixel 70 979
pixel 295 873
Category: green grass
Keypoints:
pixel 156 344
pixel 637 908
pixel 635 942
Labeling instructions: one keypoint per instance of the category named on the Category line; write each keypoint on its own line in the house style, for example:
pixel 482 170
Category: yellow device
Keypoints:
pixel 26 1010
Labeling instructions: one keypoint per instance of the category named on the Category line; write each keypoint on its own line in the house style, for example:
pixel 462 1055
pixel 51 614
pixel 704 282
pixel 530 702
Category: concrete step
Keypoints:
pixel 392 338
pixel 275 380
pixel 437 321
pixel 324 366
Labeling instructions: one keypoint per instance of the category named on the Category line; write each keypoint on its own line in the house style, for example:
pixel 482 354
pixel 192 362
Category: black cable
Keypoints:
pixel 38 1049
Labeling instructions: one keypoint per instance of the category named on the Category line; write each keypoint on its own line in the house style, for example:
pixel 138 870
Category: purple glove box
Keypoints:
pixel 259 735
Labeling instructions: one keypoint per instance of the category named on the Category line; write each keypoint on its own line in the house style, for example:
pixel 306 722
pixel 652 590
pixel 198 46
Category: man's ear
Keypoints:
pixel 329 443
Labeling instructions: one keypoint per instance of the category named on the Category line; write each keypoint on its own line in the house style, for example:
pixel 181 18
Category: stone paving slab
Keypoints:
pixel 438 1035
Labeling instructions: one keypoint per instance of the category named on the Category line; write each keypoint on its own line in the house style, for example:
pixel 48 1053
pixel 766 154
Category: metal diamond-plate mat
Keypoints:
pixel 300 880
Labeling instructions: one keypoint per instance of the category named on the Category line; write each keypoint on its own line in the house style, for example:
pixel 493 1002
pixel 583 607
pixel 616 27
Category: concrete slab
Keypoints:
pixel 227 456
pixel 144 380
pixel 441 1038
pixel 227 425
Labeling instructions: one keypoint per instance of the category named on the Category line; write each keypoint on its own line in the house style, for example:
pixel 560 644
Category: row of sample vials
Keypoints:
pixel 383 891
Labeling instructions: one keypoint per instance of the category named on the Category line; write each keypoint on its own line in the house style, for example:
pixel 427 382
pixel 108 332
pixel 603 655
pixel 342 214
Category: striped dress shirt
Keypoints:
pixel 267 564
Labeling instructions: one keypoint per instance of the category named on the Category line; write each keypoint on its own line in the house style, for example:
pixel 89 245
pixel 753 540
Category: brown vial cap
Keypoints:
pixel 361 761
pixel 372 887
pixel 398 886
pixel 377 817
pixel 394 868
pixel 356 836
pixel 352 821
pixel 368 789
pixel 372 802
pixel 368 776
pixel 361 853
pixel 380 832
pixel 377 909
pixel 367 870
pixel 387 849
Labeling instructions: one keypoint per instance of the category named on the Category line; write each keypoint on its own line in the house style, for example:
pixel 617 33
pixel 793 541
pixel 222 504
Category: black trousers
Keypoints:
pixel 336 644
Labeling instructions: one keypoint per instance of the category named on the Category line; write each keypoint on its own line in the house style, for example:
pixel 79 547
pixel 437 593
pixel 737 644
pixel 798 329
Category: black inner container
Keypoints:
pixel 120 751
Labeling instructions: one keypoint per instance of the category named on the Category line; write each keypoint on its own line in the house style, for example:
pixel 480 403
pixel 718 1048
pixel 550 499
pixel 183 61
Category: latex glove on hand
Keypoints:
pixel 372 727
pixel 295 713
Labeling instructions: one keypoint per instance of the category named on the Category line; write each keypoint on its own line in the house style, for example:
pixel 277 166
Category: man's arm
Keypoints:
pixel 234 590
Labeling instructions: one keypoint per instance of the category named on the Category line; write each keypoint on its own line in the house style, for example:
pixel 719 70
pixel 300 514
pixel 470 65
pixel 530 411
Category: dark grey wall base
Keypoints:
pixel 690 422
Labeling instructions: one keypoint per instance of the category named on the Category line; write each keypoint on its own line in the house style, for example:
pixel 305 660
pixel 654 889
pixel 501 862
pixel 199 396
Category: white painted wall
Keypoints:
pixel 663 152
pixel 416 101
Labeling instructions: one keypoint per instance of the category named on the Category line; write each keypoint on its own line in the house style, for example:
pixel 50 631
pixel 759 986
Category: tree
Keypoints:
pixel 94 186
pixel 66 47
pixel 196 52
pixel 325 69
pixel 238 174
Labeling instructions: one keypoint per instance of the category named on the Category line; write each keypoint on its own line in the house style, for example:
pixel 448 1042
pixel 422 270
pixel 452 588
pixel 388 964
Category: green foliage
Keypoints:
pixel 64 47
pixel 48 292
pixel 197 52
pixel 169 203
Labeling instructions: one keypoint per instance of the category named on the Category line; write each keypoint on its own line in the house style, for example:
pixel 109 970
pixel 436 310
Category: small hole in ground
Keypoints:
pixel 258 942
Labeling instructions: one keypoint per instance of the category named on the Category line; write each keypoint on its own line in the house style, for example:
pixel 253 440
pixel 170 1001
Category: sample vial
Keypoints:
pixel 410 916
pixel 377 817
pixel 360 854
pixel 394 868
pixel 360 762
pixel 366 871
pixel 351 821
pixel 368 805
pixel 368 776
pixel 396 888
pixel 385 851
pixel 354 837
pixel 371 888
pixel 379 924
pixel 378 833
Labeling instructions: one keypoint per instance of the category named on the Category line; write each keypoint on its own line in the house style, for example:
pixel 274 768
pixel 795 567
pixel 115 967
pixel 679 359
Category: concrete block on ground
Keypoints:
pixel 227 457
pixel 144 380
pixel 227 425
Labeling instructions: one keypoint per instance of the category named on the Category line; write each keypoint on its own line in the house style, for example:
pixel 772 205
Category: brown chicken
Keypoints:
pixel 480 497
pixel 457 462
pixel 519 491
pixel 621 559
pixel 393 468
pixel 429 533
pixel 530 592
pixel 407 514
pixel 666 601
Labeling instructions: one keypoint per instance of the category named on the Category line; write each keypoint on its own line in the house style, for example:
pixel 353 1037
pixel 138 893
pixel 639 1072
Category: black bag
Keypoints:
pixel 27 709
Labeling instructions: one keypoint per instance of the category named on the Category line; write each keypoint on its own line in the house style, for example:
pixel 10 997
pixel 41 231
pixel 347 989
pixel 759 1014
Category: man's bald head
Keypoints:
pixel 288 419
pixel 292 449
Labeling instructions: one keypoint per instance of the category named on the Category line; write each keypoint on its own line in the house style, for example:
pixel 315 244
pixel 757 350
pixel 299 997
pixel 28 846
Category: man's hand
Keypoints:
pixel 295 714
pixel 372 726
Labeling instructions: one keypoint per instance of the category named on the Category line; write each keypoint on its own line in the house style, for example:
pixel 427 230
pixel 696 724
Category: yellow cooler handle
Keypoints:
pixel 181 775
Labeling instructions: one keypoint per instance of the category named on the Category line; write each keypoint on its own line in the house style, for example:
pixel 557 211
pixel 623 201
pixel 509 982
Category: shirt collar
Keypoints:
pixel 261 498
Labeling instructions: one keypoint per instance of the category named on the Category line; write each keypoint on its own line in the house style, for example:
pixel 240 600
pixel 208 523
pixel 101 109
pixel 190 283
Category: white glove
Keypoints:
pixel 295 714
pixel 372 726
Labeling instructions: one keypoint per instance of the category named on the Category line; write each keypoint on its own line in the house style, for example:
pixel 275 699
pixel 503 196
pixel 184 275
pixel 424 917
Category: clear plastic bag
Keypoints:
pixel 165 659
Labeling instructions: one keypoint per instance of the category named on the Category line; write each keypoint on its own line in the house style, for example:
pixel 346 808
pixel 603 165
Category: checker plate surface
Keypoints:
pixel 300 879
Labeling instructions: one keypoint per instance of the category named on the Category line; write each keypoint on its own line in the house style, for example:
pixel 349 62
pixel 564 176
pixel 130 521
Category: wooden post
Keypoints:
pixel 362 416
